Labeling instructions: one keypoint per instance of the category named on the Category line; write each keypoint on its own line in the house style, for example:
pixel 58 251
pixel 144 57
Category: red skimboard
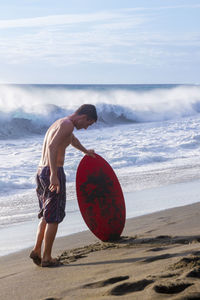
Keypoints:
pixel 100 198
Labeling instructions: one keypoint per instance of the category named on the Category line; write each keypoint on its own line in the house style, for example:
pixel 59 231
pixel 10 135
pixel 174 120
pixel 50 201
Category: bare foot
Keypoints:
pixel 51 263
pixel 36 258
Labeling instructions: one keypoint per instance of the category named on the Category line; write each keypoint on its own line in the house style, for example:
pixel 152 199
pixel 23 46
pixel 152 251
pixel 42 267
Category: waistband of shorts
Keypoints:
pixel 47 168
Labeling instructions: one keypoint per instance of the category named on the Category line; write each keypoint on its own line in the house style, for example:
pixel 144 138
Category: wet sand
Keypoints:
pixel 157 257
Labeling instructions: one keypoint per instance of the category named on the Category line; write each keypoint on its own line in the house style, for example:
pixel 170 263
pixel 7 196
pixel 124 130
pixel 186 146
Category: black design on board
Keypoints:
pixel 98 188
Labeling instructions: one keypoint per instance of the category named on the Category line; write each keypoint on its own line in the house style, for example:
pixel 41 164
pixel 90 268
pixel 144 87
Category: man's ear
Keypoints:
pixel 84 117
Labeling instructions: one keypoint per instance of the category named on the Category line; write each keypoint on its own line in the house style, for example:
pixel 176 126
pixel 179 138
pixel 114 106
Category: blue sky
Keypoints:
pixel 99 41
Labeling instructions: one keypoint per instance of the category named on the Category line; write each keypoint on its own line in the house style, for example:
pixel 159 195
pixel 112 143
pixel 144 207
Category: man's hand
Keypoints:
pixel 54 184
pixel 90 153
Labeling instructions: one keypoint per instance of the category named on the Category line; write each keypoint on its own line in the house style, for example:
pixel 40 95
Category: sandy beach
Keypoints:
pixel 158 257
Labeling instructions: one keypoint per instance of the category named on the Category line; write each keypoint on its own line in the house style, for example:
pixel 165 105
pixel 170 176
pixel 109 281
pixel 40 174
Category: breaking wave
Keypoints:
pixel 26 110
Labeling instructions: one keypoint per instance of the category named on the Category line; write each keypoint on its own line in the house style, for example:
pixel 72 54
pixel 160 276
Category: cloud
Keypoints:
pixel 66 39
pixel 50 21
pixel 72 19
pixel 157 8
pixel 115 37
pixel 65 48
pixel 56 20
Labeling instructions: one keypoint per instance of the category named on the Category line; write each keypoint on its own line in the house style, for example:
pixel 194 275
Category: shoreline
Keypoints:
pixel 87 235
pixel 139 222
pixel 138 203
pixel 142 265
pixel 77 237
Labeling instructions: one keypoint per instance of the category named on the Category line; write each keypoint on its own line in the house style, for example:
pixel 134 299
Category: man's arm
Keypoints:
pixel 77 144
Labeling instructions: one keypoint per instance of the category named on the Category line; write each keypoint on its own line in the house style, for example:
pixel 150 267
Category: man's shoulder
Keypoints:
pixel 67 124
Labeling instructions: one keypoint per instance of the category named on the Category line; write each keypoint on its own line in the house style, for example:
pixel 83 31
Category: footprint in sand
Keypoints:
pixel 122 289
pixel 171 288
pixel 105 282
pixel 130 287
pixel 195 273
pixel 155 258
pixel 169 275
pixel 156 249
pixel 52 298
pixel 187 262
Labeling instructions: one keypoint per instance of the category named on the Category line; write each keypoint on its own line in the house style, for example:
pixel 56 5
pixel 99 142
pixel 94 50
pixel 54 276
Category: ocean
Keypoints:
pixel 150 134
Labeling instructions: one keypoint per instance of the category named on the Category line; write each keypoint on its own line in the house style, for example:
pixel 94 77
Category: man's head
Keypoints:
pixel 87 116
pixel 89 110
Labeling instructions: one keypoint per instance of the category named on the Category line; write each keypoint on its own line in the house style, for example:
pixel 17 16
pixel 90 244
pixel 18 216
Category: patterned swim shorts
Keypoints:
pixel 52 205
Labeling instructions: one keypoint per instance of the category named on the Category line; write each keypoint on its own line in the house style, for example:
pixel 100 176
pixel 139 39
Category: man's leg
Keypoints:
pixel 40 237
pixel 49 237
pixel 35 255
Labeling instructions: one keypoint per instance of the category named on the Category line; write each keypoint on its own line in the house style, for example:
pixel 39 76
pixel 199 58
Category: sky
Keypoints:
pixel 99 41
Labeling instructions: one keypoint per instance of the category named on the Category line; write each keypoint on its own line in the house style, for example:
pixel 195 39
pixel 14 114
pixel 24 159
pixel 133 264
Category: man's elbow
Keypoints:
pixel 74 142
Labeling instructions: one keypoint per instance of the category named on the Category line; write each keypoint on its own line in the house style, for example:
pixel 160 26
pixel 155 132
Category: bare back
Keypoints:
pixel 59 135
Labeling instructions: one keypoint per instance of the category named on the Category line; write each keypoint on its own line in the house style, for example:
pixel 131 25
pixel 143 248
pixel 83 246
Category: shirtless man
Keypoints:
pixel 51 180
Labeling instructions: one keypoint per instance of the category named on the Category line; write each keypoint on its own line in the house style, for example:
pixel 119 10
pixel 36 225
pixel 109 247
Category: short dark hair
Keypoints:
pixel 89 110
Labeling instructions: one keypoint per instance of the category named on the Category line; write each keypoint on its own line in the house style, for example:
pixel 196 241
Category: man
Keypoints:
pixel 51 180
